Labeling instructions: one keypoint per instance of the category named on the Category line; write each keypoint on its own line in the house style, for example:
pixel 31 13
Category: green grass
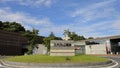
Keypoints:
pixel 56 59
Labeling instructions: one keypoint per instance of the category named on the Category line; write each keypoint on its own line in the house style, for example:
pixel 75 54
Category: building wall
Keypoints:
pixel 41 49
pixel 11 43
pixel 61 48
pixel 62 51
pixel 95 49
pixel 79 47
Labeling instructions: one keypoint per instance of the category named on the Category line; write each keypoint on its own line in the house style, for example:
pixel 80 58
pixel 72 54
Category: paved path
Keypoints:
pixel 117 59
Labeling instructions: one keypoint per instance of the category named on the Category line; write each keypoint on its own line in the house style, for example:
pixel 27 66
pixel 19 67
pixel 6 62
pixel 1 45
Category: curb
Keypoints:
pixel 111 66
pixel 8 65
pixel 38 65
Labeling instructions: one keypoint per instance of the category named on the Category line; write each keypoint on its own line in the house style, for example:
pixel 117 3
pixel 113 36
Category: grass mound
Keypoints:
pixel 57 59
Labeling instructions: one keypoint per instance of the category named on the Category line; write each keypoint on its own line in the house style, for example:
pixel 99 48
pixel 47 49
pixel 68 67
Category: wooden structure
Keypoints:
pixel 12 43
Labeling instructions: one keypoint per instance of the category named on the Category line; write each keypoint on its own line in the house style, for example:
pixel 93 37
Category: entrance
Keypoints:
pixel 79 49
pixel 115 46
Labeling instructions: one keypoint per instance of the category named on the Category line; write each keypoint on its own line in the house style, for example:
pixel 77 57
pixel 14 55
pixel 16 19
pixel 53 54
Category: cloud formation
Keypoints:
pixel 95 11
pixel 26 19
pixel 35 3
pixel 97 19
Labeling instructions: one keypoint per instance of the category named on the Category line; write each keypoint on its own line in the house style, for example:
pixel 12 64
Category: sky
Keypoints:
pixel 90 18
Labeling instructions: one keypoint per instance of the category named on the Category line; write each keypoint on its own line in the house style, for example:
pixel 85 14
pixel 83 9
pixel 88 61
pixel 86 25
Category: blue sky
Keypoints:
pixel 96 18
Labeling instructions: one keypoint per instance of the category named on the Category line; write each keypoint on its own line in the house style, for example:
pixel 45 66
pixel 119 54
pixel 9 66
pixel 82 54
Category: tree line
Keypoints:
pixel 34 38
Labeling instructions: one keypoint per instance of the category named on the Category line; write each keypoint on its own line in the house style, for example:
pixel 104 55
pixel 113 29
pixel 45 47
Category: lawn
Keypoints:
pixel 56 59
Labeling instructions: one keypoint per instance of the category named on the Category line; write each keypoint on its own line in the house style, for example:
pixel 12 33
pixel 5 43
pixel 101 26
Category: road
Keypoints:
pixel 115 58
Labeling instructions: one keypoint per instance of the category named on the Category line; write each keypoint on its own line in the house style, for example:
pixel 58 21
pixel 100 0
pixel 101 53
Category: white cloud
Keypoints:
pixel 97 18
pixel 116 24
pixel 108 28
pixel 28 21
pixel 91 7
pixel 46 26
pixel 87 14
pixel 35 3
pixel 95 11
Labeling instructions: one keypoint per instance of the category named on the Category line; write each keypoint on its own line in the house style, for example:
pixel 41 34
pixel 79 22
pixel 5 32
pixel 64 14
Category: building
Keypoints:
pixel 62 48
pixel 111 43
pixel 104 45
pixel 12 43
pixel 40 49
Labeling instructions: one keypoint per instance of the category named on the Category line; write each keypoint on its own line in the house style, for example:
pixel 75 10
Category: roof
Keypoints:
pixel 62 41
pixel 71 41
pixel 109 37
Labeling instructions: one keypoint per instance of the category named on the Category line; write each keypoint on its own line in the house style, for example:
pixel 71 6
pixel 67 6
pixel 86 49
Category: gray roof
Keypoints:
pixel 109 37
pixel 101 38
pixel 62 41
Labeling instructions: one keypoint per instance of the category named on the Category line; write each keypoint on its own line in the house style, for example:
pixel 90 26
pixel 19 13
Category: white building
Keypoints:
pixel 62 48
pixel 105 45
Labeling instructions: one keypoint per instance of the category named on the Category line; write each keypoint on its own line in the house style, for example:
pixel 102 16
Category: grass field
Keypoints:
pixel 56 59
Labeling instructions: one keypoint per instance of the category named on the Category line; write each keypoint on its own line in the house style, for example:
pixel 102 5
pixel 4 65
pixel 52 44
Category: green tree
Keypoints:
pixel 33 37
pixel 13 27
pixel 90 38
pixel 73 35
pixel 52 36
pixel 67 32
pixel 47 43
pixel 58 38
pixel 49 38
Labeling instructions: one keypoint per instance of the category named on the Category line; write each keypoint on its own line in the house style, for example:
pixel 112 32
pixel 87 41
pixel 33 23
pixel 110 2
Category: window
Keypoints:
pixel 118 43
pixel 91 42
pixel 68 44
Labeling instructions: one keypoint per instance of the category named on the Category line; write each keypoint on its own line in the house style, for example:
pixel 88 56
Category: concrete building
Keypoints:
pixel 111 43
pixel 62 48
pixel 96 49
pixel 104 45
pixel 40 49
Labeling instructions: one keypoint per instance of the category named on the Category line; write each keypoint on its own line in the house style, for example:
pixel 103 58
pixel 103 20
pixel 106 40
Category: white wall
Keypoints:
pixel 41 49
pixel 95 49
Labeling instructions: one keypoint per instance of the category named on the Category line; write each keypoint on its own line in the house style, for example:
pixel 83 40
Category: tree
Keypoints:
pixel 49 38
pixel 47 43
pixel 13 27
pixel 90 38
pixel 33 37
pixel 67 32
pixel 52 36
pixel 58 38
pixel 73 35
